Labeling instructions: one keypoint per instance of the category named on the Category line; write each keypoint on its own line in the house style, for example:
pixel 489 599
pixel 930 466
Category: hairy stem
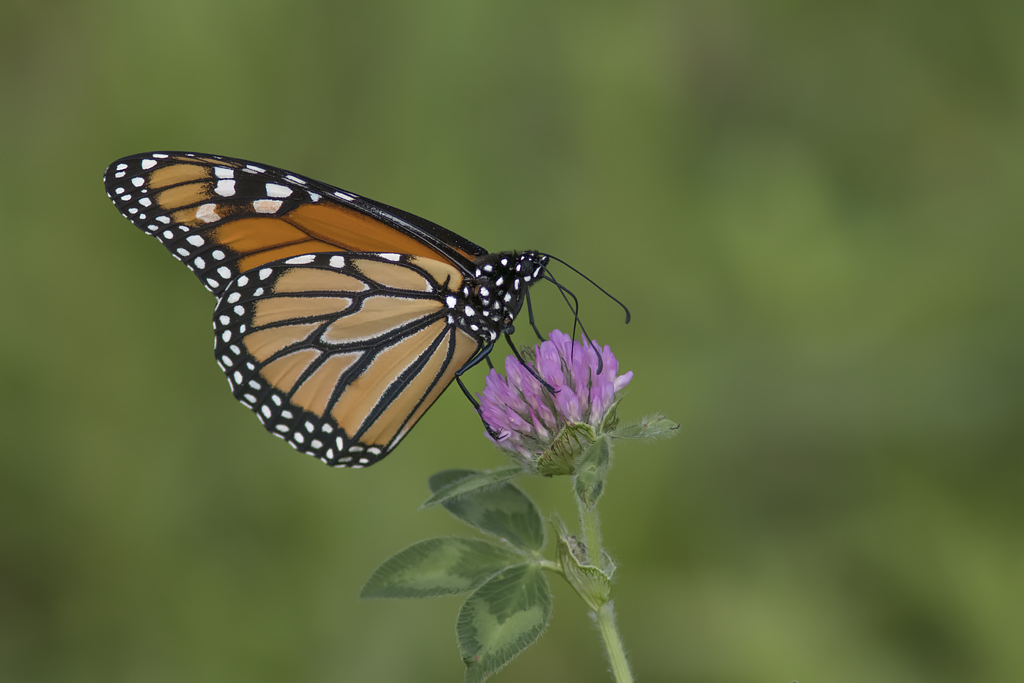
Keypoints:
pixel 605 618
pixel 605 614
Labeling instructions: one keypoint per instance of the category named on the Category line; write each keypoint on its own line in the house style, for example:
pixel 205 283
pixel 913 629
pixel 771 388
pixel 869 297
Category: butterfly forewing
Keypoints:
pixel 340 320
pixel 340 353
pixel 222 217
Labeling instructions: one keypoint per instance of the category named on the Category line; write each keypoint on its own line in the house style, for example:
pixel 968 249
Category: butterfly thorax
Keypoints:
pixel 492 297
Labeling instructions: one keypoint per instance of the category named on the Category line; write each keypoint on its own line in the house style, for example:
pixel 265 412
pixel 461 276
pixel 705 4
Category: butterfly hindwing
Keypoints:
pixel 222 217
pixel 340 320
pixel 341 353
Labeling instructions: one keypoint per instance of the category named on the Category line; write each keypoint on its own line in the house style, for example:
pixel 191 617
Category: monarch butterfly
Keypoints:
pixel 339 320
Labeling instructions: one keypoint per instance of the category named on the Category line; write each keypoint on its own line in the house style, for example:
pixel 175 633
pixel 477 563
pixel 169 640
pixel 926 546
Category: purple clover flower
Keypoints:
pixel 527 417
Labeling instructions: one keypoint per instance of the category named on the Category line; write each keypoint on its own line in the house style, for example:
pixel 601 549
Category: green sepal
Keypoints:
pixel 648 428
pixel 438 566
pixel 560 457
pixel 502 510
pixel 592 584
pixel 592 471
pixel 469 481
pixel 502 618
pixel 611 419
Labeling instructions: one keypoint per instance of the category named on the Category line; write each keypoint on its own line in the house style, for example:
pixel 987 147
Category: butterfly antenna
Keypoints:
pixel 576 317
pixel 599 287
pixel 573 305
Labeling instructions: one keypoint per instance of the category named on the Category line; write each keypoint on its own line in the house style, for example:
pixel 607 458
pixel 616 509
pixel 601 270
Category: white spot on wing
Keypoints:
pixel 300 260
pixel 148 164
pixel 207 213
pixel 225 188
pixel 337 262
pixel 275 190
pixel 266 205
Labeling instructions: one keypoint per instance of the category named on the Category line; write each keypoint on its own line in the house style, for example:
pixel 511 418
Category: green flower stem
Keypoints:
pixel 605 618
pixel 605 614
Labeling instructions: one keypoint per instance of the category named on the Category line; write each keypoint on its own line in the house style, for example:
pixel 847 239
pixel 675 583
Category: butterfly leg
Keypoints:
pixel 529 369
pixel 482 354
pixel 529 311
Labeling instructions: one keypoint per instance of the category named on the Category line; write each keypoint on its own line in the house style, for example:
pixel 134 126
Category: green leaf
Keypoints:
pixel 438 566
pixel 502 618
pixel 502 510
pixel 647 428
pixel 454 483
pixel 592 471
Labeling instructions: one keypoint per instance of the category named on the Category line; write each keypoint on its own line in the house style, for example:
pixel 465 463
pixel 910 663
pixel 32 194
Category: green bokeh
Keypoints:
pixel 812 209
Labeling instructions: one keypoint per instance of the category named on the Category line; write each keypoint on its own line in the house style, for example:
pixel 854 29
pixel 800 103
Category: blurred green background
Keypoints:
pixel 813 210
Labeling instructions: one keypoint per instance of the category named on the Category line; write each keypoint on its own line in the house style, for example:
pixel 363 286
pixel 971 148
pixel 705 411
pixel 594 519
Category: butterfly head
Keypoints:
pixel 497 290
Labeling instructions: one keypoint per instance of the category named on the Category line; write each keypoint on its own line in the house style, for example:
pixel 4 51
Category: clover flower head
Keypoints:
pixel 527 417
